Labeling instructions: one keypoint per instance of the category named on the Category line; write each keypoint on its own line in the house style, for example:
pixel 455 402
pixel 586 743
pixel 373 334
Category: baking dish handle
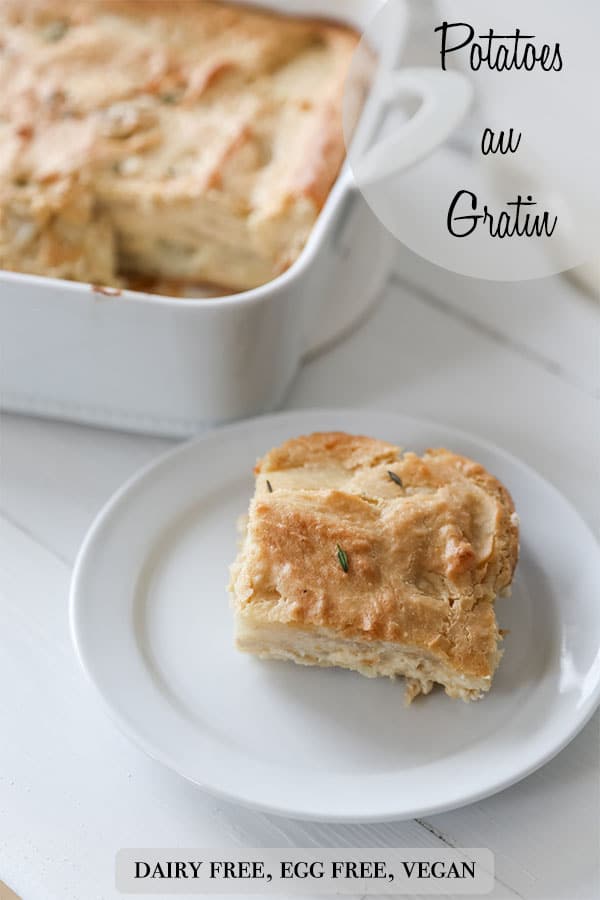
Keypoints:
pixel 444 98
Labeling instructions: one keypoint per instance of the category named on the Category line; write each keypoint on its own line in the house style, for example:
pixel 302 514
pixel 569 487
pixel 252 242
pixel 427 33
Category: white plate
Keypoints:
pixel 152 627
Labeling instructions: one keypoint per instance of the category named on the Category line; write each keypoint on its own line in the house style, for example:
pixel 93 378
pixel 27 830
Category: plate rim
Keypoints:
pixel 166 459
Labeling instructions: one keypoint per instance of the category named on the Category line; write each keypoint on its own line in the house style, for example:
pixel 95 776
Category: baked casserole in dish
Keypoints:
pixel 156 140
pixel 158 147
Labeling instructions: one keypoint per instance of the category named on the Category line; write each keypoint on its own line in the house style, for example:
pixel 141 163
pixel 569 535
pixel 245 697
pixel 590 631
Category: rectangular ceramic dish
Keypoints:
pixel 169 365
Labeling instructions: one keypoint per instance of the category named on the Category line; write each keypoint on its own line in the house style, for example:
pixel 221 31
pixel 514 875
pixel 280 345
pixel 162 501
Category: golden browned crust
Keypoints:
pixel 325 450
pixel 427 550
pixel 207 136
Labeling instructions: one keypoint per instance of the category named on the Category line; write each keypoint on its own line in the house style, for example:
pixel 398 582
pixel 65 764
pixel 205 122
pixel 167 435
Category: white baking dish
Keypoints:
pixel 170 365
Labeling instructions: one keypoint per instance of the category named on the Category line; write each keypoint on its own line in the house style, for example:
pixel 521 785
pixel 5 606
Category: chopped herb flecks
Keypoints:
pixel 342 558
pixel 269 486
pixel 56 30
pixel 395 478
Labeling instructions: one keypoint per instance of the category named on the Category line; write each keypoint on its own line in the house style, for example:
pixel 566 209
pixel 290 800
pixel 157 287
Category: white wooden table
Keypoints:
pixel 515 364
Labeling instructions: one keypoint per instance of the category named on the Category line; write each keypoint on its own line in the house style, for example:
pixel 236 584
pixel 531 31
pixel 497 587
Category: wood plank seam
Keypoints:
pixel 20 527
pixel 474 324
